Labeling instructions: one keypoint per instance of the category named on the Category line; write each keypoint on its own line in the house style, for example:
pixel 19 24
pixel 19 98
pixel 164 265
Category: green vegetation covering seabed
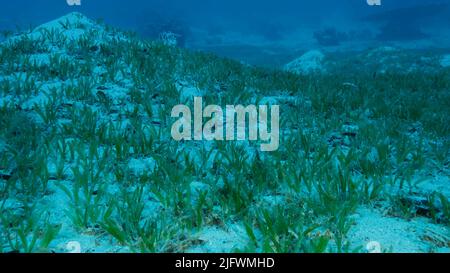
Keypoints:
pixel 85 147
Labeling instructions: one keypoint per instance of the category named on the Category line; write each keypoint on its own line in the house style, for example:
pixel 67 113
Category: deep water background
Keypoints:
pixel 238 14
pixel 248 29
pixel 86 156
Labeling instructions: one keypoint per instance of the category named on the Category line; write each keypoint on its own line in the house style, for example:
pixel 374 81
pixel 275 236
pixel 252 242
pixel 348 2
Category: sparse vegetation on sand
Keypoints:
pixel 86 153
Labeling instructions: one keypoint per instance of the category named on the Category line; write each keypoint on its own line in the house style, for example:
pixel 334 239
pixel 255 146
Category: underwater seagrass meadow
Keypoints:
pixel 87 159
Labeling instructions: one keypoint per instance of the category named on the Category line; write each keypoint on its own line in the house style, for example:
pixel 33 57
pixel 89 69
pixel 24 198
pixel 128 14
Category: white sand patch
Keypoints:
pixel 221 240
pixel 278 100
pixel 398 235
pixel 140 166
pixel 71 26
pixel 445 61
pixel 188 93
pixel 56 205
pixel 310 62
pixel 440 184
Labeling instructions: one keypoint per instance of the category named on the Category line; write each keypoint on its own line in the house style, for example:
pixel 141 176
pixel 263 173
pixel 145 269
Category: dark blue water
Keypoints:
pixel 248 29
pixel 238 14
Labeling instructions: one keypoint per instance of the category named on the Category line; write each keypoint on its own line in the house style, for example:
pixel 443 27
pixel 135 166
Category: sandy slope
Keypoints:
pixel 371 224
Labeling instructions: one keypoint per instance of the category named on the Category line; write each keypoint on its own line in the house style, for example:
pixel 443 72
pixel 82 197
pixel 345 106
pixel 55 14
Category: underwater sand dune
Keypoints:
pixel 87 162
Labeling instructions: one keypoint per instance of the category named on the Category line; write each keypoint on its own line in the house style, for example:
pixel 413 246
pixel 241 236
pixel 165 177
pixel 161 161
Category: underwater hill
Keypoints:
pixel 87 159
